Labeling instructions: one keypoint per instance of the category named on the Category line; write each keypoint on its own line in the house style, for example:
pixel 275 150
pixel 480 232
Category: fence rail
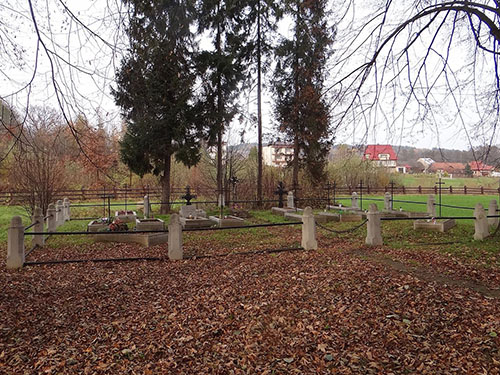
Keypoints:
pixel 12 196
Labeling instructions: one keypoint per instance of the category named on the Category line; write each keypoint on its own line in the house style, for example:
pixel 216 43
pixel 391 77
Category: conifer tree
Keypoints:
pixel 300 107
pixel 220 68
pixel 155 90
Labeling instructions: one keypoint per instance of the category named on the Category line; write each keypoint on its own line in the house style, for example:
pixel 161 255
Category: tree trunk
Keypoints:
pixel 295 162
pixel 220 109
pixel 259 110
pixel 165 185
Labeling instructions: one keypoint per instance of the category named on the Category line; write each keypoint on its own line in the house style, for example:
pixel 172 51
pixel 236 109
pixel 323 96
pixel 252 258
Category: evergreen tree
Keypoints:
pixel 298 83
pixel 221 69
pixel 262 18
pixel 468 170
pixel 155 90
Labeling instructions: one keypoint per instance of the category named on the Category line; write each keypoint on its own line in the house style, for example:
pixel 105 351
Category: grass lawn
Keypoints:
pixel 425 180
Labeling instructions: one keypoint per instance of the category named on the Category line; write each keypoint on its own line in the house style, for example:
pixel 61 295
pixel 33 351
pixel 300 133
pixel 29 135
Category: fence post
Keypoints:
pixel 354 201
pixel 309 230
pixel 482 190
pixel 492 211
pixel 51 220
pixel 37 219
pixel 290 203
pixel 431 205
pixel 59 213
pixel 66 210
pixel 387 201
pixel 175 251
pixel 465 189
pixel 481 230
pixel 419 189
pixel 451 189
pixel 146 207
pixel 373 228
pixel 15 243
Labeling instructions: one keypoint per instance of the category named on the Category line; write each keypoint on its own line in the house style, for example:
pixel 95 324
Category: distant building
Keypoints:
pixel 403 168
pixel 481 169
pixel 426 163
pixel 382 156
pixel 277 154
pixel 453 169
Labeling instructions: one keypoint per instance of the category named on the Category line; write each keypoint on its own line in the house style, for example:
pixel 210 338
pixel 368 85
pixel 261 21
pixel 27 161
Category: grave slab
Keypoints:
pixel 329 216
pixel 438 226
pixel 96 226
pixel 281 211
pixel 351 217
pixel 126 216
pixel 190 211
pixel 298 217
pixel 149 224
pixel 199 222
pixel 228 221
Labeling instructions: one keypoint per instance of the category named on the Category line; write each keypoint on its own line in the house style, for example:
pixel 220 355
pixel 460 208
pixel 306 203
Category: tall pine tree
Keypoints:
pixel 261 20
pixel 155 90
pixel 221 68
pixel 298 83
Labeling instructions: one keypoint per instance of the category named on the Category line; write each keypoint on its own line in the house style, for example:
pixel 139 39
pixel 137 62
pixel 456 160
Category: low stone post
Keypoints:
pixel 387 201
pixel 51 220
pixel 15 243
pixel 175 251
pixel 374 227
pixel 431 206
pixel 309 230
pixel 146 207
pixel 37 219
pixel 492 211
pixel 59 213
pixel 289 200
pixel 481 229
pixel 66 210
pixel 354 201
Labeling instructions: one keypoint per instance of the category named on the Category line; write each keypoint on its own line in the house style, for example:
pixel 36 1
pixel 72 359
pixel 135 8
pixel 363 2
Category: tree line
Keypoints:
pixel 176 95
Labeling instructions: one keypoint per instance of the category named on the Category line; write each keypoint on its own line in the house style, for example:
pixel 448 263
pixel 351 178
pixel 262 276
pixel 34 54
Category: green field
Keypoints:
pixel 426 180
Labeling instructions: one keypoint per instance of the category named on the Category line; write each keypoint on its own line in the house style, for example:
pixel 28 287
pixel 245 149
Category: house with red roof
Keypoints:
pixel 452 169
pixel 481 169
pixel 382 156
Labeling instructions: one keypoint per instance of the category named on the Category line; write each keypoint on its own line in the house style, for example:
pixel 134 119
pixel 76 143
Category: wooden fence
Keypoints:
pixel 12 197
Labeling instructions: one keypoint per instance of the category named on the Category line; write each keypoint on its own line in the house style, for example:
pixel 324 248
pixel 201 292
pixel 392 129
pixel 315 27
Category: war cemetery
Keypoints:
pixel 260 187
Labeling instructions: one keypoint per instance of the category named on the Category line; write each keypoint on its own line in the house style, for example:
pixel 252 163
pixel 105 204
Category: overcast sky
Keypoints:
pixel 85 71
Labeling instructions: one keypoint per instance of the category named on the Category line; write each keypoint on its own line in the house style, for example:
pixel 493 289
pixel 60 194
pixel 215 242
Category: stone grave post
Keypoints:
pixel 431 206
pixel 309 230
pixel 37 219
pixel 387 201
pixel 354 201
pixel 15 243
pixel 175 251
pixel 146 207
pixel 59 213
pixel 373 228
pixel 492 211
pixel 51 220
pixel 67 212
pixel 481 229
pixel 289 200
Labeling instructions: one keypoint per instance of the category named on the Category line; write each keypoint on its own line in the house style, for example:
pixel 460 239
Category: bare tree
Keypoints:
pixel 421 66
pixel 39 163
